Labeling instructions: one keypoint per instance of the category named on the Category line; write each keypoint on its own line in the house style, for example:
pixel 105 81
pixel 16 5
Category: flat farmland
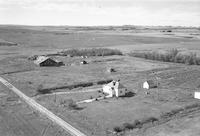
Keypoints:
pixel 17 118
pixel 170 105
pixel 42 39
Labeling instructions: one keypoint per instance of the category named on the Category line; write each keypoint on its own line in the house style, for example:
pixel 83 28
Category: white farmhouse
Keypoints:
pixel 114 88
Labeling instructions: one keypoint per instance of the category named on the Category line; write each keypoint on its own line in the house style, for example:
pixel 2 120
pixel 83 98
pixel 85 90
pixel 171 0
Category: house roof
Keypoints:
pixel 121 86
pixel 112 85
pixel 41 59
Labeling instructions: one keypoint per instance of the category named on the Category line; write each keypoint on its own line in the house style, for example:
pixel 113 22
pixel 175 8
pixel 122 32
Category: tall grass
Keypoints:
pixel 91 52
pixel 172 55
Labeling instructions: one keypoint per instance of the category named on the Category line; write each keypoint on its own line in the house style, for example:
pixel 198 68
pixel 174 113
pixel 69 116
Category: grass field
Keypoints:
pixel 167 105
pixel 18 119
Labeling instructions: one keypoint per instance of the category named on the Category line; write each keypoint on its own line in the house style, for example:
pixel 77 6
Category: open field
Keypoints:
pixel 171 105
pixel 16 118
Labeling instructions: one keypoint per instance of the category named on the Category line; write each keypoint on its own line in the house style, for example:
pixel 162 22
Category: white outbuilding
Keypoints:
pixel 197 95
pixel 150 84
pixel 114 88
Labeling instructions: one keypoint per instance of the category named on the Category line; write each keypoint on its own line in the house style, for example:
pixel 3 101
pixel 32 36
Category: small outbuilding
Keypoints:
pixel 44 61
pixel 110 70
pixel 150 84
pixel 197 95
pixel 114 88
pixel 84 57
pixel 84 62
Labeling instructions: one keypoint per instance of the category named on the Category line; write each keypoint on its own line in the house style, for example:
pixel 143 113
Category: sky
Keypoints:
pixel 100 12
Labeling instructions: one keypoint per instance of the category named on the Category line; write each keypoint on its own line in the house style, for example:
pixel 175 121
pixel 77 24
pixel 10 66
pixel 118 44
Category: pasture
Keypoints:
pixel 171 104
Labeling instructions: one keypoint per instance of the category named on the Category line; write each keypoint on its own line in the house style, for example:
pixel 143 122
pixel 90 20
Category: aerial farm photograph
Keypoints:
pixel 99 67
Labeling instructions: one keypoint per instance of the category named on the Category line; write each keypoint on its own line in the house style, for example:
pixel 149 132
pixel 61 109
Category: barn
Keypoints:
pixel 44 61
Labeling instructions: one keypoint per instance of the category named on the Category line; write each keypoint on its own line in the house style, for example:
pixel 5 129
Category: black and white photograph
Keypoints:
pixel 99 67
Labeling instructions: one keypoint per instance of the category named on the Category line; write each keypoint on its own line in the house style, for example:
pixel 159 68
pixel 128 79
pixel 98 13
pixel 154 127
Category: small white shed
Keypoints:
pixel 197 95
pixel 150 84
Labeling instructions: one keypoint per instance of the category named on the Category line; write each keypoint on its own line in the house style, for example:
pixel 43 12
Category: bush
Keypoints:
pixel 40 90
pixel 72 105
pixel 101 82
pixel 91 52
pixel 34 57
pixel 81 85
pixel 195 105
pixel 171 56
pixel 149 120
pixel 118 129
pixel 172 113
pixel 128 126
pixel 137 124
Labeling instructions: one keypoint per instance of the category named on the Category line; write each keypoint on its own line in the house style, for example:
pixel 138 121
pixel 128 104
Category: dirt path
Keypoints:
pixel 70 129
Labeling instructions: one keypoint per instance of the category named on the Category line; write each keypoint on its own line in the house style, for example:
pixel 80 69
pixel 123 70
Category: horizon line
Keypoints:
pixel 99 25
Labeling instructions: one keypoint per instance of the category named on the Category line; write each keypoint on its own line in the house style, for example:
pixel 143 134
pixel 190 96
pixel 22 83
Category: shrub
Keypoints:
pixel 169 31
pixel 34 57
pixel 195 105
pixel 91 52
pixel 40 90
pixel 137 124
pixel 82 85
pixel 62 102
pixel 104 81
pixel 72 105
pixel 118 129
pixel 149 120
pixel 172 113
pixel 128 126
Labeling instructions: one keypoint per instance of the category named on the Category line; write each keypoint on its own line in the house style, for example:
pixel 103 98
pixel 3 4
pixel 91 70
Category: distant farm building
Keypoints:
pixel 110 70
pixel 44 61
pixel 150 84
pixel 84 62
pixel 114 88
